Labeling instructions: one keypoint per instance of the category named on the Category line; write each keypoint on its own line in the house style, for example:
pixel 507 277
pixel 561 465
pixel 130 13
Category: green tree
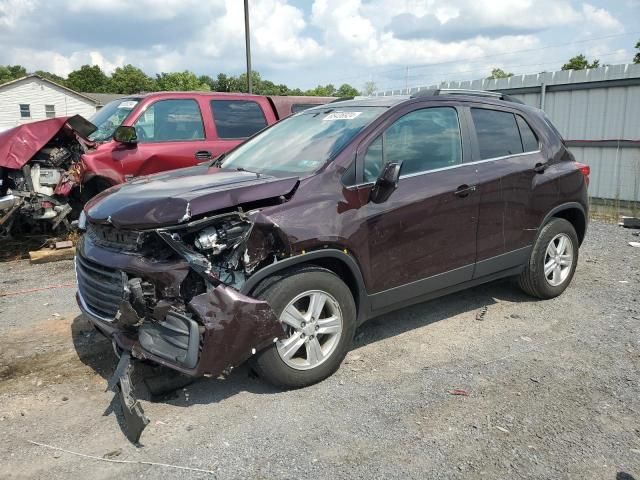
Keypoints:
pixel 51 76
pixel 347 90
pixel 580 62
pixel 88 78
pixel 11 72
pixel 129 79
pixel 222 84
pixel 322 91
pixel 636 59
pixel 369 88
pixel 180 81
pixel 499 73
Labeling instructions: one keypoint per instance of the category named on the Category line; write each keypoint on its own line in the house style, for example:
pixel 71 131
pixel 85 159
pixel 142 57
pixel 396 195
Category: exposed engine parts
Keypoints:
pixel 36 196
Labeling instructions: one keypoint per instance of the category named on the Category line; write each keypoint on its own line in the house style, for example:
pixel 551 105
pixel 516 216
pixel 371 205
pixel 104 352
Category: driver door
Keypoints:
pixel 423 238
pixel 170 135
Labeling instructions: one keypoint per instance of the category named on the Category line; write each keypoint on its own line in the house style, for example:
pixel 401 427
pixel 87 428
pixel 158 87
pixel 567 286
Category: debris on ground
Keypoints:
pixel 459 391
pixel 634 244
pixel 47 255
pixel 63 244
pixel 480 315
pixel 629 222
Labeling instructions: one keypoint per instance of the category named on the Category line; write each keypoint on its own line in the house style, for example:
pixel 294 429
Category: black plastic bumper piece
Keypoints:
pixel 176 339
pixel 120 382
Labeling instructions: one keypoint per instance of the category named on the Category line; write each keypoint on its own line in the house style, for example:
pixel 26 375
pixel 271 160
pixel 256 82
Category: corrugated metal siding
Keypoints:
pixel 606 113
pixel 37 94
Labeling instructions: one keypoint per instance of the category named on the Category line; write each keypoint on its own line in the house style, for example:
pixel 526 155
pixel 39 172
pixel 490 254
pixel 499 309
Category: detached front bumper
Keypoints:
pixel 211 333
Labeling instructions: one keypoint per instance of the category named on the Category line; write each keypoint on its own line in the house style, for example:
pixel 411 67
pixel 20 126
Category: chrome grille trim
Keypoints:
pixel 100 288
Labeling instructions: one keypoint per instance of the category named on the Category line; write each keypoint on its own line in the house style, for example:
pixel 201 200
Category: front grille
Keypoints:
pixel 101 288
pixel 110 237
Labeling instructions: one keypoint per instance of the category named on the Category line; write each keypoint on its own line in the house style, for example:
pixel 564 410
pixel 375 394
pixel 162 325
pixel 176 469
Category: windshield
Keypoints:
pixel 302 143
pixel 110 117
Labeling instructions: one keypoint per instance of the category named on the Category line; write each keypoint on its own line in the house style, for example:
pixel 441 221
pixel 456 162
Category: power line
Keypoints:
pixel 472 59
pixel 480 69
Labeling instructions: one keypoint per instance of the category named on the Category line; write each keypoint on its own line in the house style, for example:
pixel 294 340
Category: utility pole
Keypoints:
pixel 247 42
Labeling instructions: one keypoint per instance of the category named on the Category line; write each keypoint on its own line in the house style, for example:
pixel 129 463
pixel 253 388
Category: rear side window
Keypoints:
pixel 421 140
pixel 237 118
pixel 497 132
pixel 529 139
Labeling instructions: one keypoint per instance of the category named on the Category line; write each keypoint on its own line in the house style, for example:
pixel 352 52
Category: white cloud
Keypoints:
pixel 600 18
pixel 338 38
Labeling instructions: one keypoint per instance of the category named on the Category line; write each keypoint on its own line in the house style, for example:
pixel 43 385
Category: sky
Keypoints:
pixel 394 43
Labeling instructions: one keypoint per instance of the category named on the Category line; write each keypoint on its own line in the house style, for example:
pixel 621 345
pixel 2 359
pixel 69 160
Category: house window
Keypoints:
pixel 25 110
pixel 50 111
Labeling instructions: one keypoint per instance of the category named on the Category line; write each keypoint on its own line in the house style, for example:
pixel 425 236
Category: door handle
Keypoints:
pixel 203 155
pixel 540 167
pixel 464 190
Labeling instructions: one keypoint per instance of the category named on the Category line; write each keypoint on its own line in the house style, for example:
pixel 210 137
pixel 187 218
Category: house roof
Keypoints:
pixel 33 75
pixel 103 98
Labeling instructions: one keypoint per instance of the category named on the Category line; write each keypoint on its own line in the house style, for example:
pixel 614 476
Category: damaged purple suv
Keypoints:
pixel 277 250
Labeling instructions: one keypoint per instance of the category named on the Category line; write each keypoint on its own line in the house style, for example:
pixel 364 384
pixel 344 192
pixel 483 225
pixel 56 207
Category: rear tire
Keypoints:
pixel 552 262
pixel 322 308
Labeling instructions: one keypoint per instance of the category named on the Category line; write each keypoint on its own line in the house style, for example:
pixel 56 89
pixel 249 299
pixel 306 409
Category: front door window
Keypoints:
pixel 170 121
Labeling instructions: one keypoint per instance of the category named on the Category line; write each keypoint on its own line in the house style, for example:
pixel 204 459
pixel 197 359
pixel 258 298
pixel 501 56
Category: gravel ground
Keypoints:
pixel 553 390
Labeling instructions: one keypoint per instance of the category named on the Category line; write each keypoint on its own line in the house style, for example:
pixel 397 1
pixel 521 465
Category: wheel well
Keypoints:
pixel 576 218
pixel 333 264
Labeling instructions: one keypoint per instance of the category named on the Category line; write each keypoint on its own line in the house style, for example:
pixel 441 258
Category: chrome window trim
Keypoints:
pixel 477 162
pixel 493 159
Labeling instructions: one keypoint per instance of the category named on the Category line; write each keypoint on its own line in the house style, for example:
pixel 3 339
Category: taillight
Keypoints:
pixel 585 169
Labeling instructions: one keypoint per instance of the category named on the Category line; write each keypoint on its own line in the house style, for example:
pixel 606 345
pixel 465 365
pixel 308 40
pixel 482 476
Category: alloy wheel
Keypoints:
pixel 313 324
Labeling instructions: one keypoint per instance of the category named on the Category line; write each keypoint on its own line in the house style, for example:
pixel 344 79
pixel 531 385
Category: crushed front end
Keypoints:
pixel 170 295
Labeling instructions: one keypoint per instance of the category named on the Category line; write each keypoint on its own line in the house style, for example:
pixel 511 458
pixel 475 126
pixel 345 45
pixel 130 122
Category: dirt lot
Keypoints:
pixel 553 390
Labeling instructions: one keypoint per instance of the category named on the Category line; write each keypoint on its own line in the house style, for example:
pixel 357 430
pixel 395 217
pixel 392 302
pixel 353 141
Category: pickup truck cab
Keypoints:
pixel 177 129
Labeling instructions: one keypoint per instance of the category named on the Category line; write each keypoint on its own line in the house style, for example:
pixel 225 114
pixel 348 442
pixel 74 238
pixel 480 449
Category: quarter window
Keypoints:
pixel 25 110
pixel 422 140
pixel 50 111
pixel 529 139
pixel 497 133
pixel 237 118
pixel 170 121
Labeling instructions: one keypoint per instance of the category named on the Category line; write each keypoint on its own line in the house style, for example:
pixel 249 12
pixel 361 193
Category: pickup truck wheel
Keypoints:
pixel 553 260
pixel 318 317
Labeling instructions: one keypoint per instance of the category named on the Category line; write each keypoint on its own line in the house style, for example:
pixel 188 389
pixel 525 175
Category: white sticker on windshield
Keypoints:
pixel 341 116
pixel 129 104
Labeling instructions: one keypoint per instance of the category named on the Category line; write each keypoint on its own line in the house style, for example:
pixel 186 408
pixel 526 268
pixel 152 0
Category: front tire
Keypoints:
pixel 553 260
pixel 318 315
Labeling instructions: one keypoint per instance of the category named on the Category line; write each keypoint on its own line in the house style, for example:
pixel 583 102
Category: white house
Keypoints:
pixel 32 98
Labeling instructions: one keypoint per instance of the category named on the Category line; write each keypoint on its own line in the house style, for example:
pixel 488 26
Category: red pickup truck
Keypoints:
pixel 49 169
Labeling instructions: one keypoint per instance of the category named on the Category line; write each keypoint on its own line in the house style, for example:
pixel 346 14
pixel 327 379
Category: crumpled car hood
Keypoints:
pixel 19 144
pixel 171 198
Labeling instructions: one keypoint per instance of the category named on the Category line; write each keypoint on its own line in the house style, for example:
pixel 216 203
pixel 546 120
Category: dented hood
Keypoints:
pixel 19 144
pixel 172 198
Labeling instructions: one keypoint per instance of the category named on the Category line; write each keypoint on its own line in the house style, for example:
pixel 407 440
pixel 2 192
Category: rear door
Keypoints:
pixel 506 151
pixel 423 238
pixel 170 135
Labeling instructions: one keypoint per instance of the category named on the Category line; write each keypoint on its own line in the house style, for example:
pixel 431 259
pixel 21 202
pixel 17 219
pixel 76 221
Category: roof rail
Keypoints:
pixel 464 91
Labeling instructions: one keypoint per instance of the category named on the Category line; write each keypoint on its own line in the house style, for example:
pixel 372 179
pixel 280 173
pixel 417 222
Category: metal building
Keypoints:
pixel 596 110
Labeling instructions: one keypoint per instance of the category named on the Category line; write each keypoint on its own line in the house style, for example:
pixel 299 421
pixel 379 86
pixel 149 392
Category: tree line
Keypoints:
pixel 129 79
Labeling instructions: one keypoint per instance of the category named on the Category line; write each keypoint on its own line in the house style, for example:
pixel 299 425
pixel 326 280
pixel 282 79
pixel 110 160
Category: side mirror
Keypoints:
pixel 126 135
pixel 386 183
